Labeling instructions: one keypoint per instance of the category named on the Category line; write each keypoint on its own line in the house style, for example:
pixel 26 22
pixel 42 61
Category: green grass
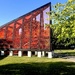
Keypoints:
pixel 64 51
pixel 68 52
pixel 36 66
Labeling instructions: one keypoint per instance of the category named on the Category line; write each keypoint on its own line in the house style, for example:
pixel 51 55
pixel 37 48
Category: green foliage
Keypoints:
pixel 63 23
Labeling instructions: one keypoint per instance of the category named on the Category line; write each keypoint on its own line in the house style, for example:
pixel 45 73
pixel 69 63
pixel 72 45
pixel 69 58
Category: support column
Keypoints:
pixel 36 52
pixel 43 53
pixel 29 54
pixel 11 53
pixel 19 53
pixel 39 53
pixel 49 54
pixel 2 52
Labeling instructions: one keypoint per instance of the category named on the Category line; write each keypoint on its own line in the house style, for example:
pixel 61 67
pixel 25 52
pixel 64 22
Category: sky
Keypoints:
pixel 12 9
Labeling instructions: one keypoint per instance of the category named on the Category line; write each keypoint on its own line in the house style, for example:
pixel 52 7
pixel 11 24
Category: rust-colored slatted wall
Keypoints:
pixel 28 32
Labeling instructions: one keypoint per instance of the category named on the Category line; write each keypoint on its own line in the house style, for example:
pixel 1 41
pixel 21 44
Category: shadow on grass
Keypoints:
pixel 3 56
pixel 54 68
pixel 69 53
pixel 64 54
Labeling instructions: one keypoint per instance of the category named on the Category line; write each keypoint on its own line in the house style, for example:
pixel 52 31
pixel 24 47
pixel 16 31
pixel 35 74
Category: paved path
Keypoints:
pixel 70 58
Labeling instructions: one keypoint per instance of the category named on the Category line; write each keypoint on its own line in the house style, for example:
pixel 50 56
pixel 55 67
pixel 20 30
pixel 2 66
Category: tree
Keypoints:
pixel 63 23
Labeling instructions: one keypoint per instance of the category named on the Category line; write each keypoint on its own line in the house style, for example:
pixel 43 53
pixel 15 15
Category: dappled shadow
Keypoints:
pixel 64 54
pixel 54 68
pixel 69 53
pixel 3 56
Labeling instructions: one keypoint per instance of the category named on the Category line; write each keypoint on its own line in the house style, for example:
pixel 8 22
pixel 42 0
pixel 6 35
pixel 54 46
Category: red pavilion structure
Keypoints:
pixel 28 33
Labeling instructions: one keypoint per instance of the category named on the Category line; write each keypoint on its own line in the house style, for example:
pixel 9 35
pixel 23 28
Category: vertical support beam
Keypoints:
pixel 50 13
pixel 13 35
pixel 19 53
pixel 29 53
pixel 5 32
pixel 10 53
pixel 39 53
pixel 50 42
pixel 30 31
pixel 2 53
pixel 42 19
pixel 22 33
pixel 40 31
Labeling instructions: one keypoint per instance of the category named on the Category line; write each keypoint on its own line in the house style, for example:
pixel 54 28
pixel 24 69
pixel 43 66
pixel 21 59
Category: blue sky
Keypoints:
pixel 12 9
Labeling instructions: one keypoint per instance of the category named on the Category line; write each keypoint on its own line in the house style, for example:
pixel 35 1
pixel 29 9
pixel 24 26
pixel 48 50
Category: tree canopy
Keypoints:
pixel 63 23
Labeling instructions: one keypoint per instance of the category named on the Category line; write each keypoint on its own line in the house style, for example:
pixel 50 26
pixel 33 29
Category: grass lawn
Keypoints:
pixel 37 66
pixel 69 52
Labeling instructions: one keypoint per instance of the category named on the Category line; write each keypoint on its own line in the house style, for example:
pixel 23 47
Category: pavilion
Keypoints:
pixel 28 33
